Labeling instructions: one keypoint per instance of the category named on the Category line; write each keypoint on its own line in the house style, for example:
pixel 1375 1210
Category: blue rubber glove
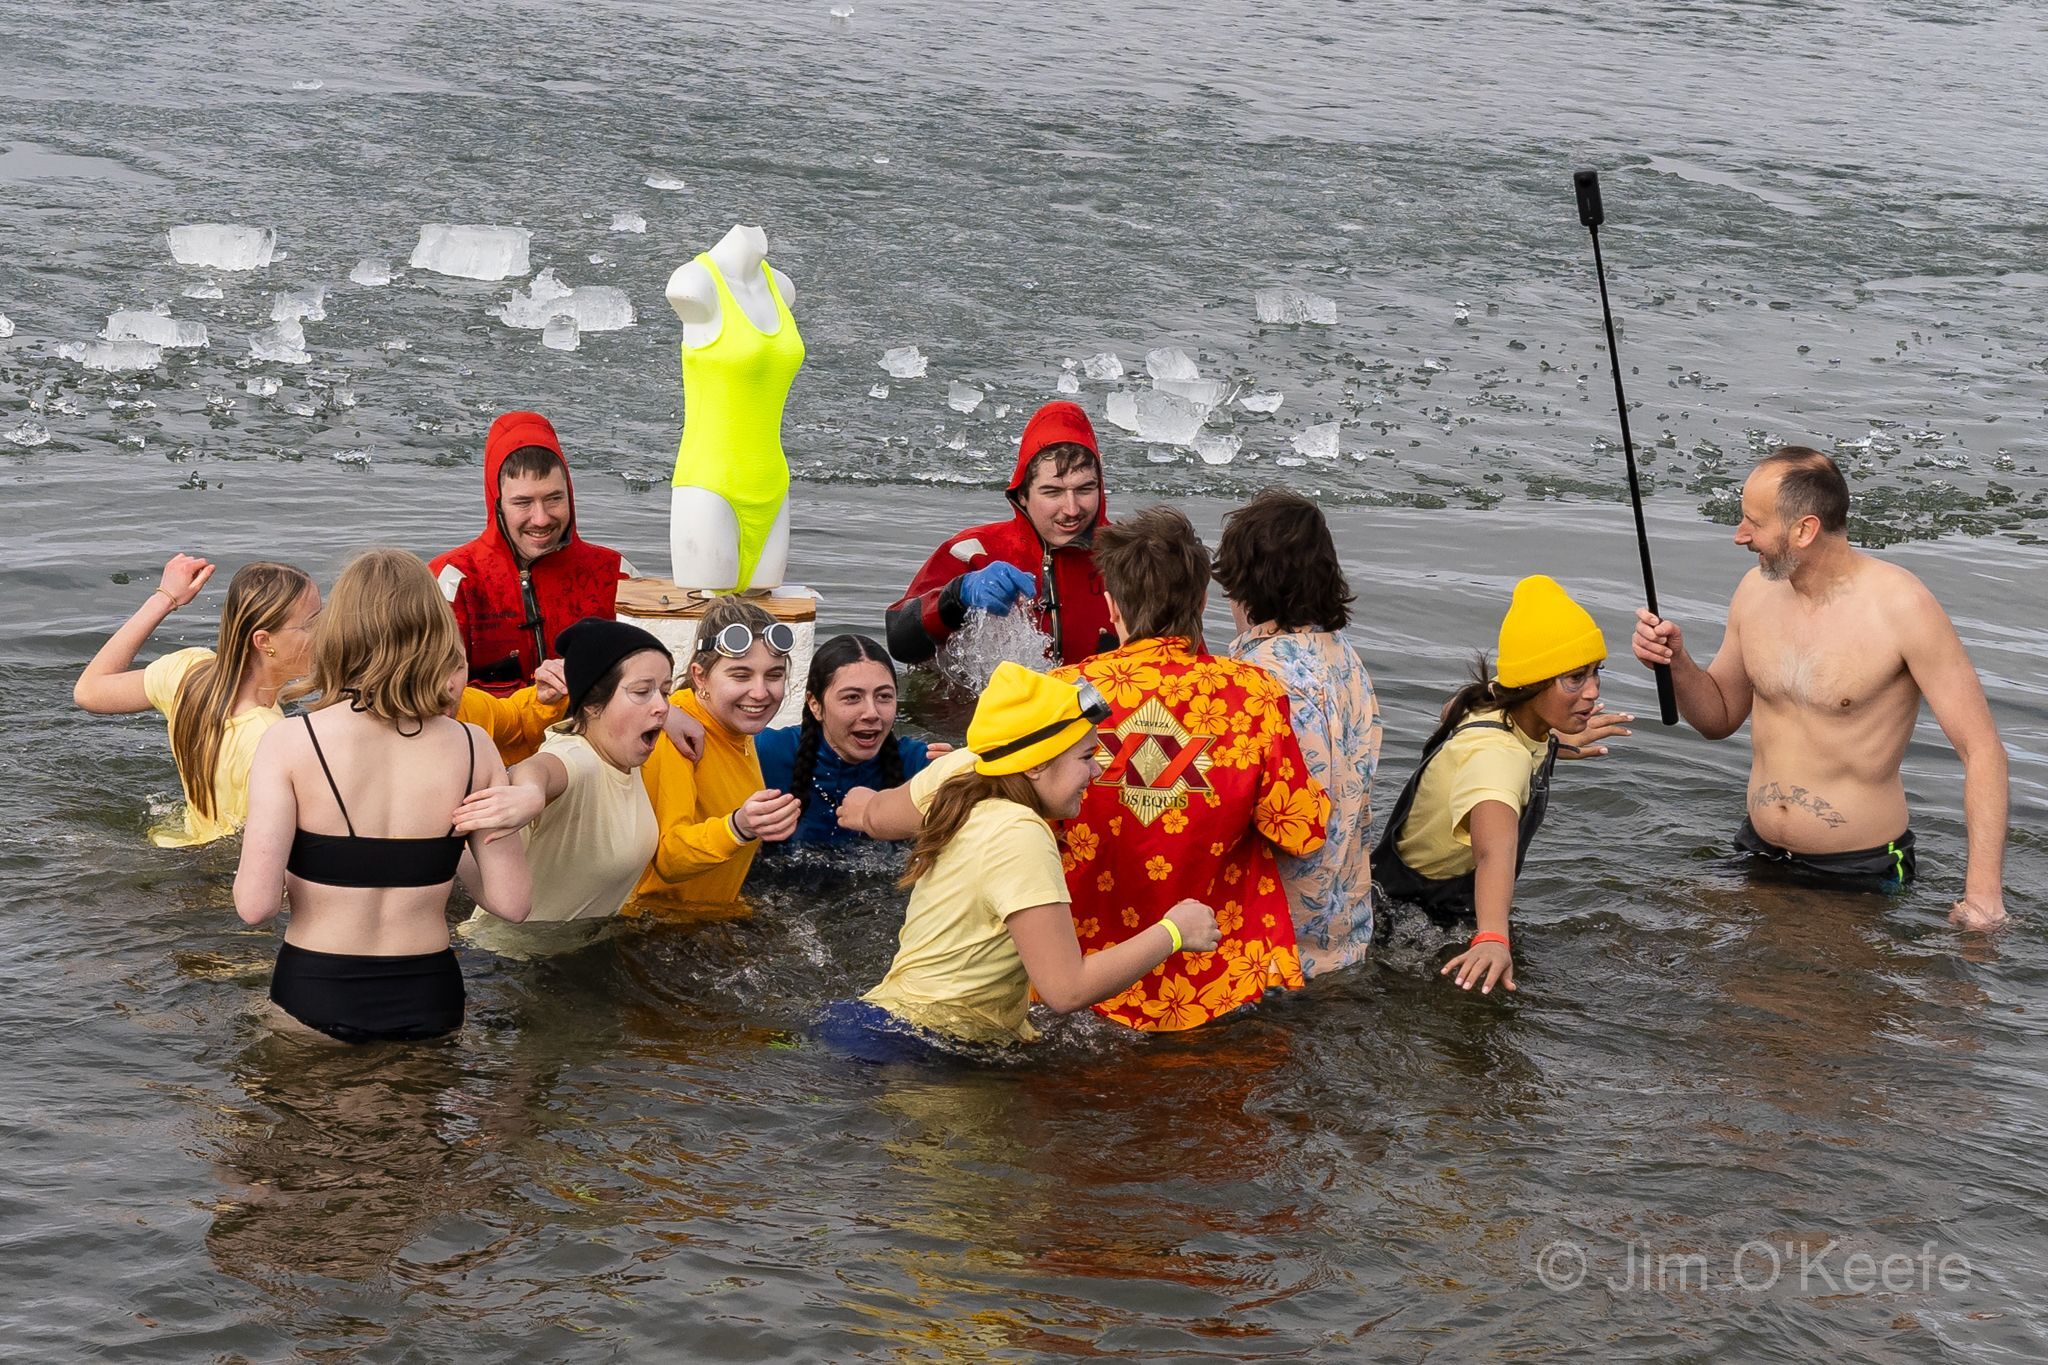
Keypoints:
pixel 996 588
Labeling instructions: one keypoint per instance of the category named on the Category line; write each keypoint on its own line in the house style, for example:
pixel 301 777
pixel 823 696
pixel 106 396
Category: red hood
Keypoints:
pixel 514 431
pixel 1057 423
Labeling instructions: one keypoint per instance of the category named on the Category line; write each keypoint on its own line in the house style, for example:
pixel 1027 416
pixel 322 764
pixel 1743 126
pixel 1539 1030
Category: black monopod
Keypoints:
pixel 1587 184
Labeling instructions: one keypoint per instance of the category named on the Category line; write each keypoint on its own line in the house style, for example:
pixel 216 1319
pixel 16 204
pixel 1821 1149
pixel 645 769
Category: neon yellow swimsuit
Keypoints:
pixel 733 391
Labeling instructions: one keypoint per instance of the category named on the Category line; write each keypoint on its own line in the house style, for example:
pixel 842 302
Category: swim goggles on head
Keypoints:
pixel 1094 710
pixel 735 640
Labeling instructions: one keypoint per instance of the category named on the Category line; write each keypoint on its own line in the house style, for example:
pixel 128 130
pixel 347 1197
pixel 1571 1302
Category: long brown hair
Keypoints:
pixel 951 806
pixel 1483 693
pixel 387 642
pixel 260 597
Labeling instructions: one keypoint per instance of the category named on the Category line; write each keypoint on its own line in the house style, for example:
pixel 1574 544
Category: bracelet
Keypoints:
pixel 1172 932
pixel 1488 936
pixel 170 597
pixel 733 822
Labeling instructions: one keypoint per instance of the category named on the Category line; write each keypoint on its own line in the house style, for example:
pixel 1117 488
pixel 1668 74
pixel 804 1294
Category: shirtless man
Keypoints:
pixel 1835 649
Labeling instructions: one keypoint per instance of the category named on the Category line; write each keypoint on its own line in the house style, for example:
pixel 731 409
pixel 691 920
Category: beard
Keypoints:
pixel 1777 567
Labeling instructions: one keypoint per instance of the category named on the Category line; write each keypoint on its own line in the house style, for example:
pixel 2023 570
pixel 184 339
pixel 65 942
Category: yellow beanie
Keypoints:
pixel 1024 719
pixel 1545 634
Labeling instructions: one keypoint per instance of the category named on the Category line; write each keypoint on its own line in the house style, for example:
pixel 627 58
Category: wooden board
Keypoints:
pixel 660 597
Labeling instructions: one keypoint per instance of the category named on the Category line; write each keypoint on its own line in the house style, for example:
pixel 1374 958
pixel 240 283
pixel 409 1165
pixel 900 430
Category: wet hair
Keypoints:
pixel 387 642
pixel 835 654
pixel 1277 561
pixel 950 807
pixel 1065 457
pixel 723 612
pixel 1482 693
pixel 534 461
pixel 1810 484
pixel 260 597
pixel 1156 569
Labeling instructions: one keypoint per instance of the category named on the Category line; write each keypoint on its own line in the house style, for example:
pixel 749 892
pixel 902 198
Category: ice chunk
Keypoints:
pixel 1318 442
pixel 842 12
pixel 1268 401
pixel 1069 382
pixel 262 386
pixel 371 272
pixel 1289 306
pixel 205 289
pixel 1204 393
pixel 352 457
pixel 1156 416
pixel 222 246
pixel 292 305
pixel 283 341
pixel 904 362
pixel 1103 366
pixel 628 222
pixel 962 397
pixel 663 182
pixel 6 326
pixel 879 391
pixel 473 252
pixel 308 85
pixel 1216 449
pixel 594 307
pixel 601 308
pixel 29 432
pixel 112 356
pixel 560 333
pixel 1461 313
pixel 154 328
pixel 970 656
pixel 1170 362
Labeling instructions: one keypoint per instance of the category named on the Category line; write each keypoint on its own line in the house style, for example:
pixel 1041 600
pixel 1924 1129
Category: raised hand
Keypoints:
pixel 1591 742
pixel 183 577
pixel 550 683
pixel 996 588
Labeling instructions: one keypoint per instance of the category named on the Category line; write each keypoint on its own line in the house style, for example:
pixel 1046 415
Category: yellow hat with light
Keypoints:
pixel 1545 634
pixel 1024 719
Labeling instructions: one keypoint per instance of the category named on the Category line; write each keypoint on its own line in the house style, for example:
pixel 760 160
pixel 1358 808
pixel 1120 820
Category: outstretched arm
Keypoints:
pixel 1941 666
pixel 111 685
pixel 1067 981
pixel 1714 700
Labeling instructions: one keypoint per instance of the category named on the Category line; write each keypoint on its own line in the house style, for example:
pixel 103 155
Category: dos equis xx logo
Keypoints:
pixel 1153 760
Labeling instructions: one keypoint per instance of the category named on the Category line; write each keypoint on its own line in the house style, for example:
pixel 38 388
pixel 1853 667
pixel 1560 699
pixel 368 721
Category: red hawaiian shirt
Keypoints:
pixel 1202 778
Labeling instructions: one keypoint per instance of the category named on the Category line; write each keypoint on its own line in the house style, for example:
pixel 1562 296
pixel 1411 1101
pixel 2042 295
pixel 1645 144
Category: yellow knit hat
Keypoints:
pixel 1024 719
pixel 1545 634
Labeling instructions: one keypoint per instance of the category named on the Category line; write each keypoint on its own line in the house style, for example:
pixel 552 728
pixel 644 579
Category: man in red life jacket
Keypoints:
pixel 529 576
pixel 1041 555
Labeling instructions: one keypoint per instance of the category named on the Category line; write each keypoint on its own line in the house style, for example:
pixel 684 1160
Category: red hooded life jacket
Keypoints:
pixel 1070 606
pixel 509 616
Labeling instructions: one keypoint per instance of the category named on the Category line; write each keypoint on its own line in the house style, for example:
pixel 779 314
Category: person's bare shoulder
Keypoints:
pixel 1901 595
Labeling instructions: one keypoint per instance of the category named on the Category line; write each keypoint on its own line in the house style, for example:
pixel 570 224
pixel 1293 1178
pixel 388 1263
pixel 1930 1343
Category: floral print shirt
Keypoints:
pixel 1337 719
pixel 1202 779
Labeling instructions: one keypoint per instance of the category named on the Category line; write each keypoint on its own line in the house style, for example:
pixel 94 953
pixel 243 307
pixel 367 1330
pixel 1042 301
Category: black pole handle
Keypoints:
pixel 1586 185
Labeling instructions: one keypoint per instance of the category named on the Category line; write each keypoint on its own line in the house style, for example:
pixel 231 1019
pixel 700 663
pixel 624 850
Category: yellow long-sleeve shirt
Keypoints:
pixel 699 859
pixel 516 724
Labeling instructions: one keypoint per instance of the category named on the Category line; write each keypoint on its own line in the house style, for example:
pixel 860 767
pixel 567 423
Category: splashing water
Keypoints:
pixel 971 656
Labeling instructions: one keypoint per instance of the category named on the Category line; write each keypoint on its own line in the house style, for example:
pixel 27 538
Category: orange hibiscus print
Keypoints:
pixel 1157 868
pixel 1082 842
pixel 1124 681
pixel 1174 821
pixel 1176 1006
pixel 1292 817
pixel 1207 716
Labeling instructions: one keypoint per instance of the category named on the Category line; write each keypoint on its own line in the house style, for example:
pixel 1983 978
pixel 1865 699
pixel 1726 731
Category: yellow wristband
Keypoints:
pixel 1172 932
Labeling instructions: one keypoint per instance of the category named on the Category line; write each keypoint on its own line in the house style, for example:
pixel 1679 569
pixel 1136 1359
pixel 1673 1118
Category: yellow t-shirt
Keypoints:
pixel 1477 765
pixel 231 766
pixel 956 969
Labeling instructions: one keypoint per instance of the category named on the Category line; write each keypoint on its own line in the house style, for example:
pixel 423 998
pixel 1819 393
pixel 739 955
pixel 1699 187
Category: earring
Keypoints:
pixel 269 653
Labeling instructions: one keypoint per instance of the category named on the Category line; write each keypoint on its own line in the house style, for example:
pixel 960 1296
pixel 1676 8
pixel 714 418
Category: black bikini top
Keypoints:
pixel 358 860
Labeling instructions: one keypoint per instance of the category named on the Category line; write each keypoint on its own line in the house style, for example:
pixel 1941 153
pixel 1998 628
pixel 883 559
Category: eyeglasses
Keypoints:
pixel 1571 684
pixel 735 640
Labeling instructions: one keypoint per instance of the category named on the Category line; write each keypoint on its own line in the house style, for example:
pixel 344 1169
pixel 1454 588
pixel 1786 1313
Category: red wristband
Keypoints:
pixel 1488 936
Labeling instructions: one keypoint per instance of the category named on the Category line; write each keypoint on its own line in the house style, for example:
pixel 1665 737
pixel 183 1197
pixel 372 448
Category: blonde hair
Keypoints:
pixel 261 596
pixel 953 803
pixel 725 611
pixel 386 642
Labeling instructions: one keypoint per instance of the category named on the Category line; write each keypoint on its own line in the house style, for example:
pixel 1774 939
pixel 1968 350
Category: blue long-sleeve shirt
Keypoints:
pixel 831 778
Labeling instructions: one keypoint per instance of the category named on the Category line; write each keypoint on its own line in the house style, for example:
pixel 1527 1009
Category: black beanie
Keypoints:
pixel 594 646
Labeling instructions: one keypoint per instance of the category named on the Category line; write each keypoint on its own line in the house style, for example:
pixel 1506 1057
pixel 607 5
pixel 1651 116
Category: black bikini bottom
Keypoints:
pixel 1888 867
pixel 359 999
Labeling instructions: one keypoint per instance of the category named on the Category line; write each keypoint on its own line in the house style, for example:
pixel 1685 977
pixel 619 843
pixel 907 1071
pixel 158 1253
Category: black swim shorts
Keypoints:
pixel 1887 868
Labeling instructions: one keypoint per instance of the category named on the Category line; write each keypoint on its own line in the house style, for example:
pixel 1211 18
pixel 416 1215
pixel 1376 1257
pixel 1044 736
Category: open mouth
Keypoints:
pixel 866 739
pixel 650 735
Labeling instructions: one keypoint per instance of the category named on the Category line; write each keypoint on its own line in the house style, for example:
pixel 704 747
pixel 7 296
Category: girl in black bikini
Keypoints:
pixel 350 816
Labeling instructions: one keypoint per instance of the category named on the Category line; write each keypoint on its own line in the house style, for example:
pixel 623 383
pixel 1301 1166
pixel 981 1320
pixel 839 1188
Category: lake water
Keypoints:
pixel 1824 226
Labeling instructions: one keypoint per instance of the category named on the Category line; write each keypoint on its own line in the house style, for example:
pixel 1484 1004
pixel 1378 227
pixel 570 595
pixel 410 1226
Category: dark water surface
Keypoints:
pixel 632 1150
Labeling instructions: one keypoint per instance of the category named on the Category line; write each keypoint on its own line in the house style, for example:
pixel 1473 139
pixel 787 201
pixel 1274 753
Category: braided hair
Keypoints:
pixel 835 654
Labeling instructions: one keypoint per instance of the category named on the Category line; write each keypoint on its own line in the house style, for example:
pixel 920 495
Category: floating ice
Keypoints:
pixel 354 457
pixel 371 272
pixel 283 341
pixel 962 397
pixel 959 441
pixel 1267 401
pixel 1157 416
pixel 29 432
pixel 1103 366
pixel 309 304
pixel 663 182
pixel 1204 393
pixel 880 160
pixel 395 344
pixel 1288 305
pixel 1216 449
pixel 628 222
pixel 970 656
pixel 1069 382
pixel 560 333
pixel 262 386
pixel 222 246
pixel 904 362
pixel 308 85
pixel 6 326
pixel 594 307
pixel 879 391
pixel 154 328
pixel 112 356
pixel 472 252
pixel 1461 314
pixel 1170 362
pixel 842 12
pixel 205 289
pixel 1318 442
